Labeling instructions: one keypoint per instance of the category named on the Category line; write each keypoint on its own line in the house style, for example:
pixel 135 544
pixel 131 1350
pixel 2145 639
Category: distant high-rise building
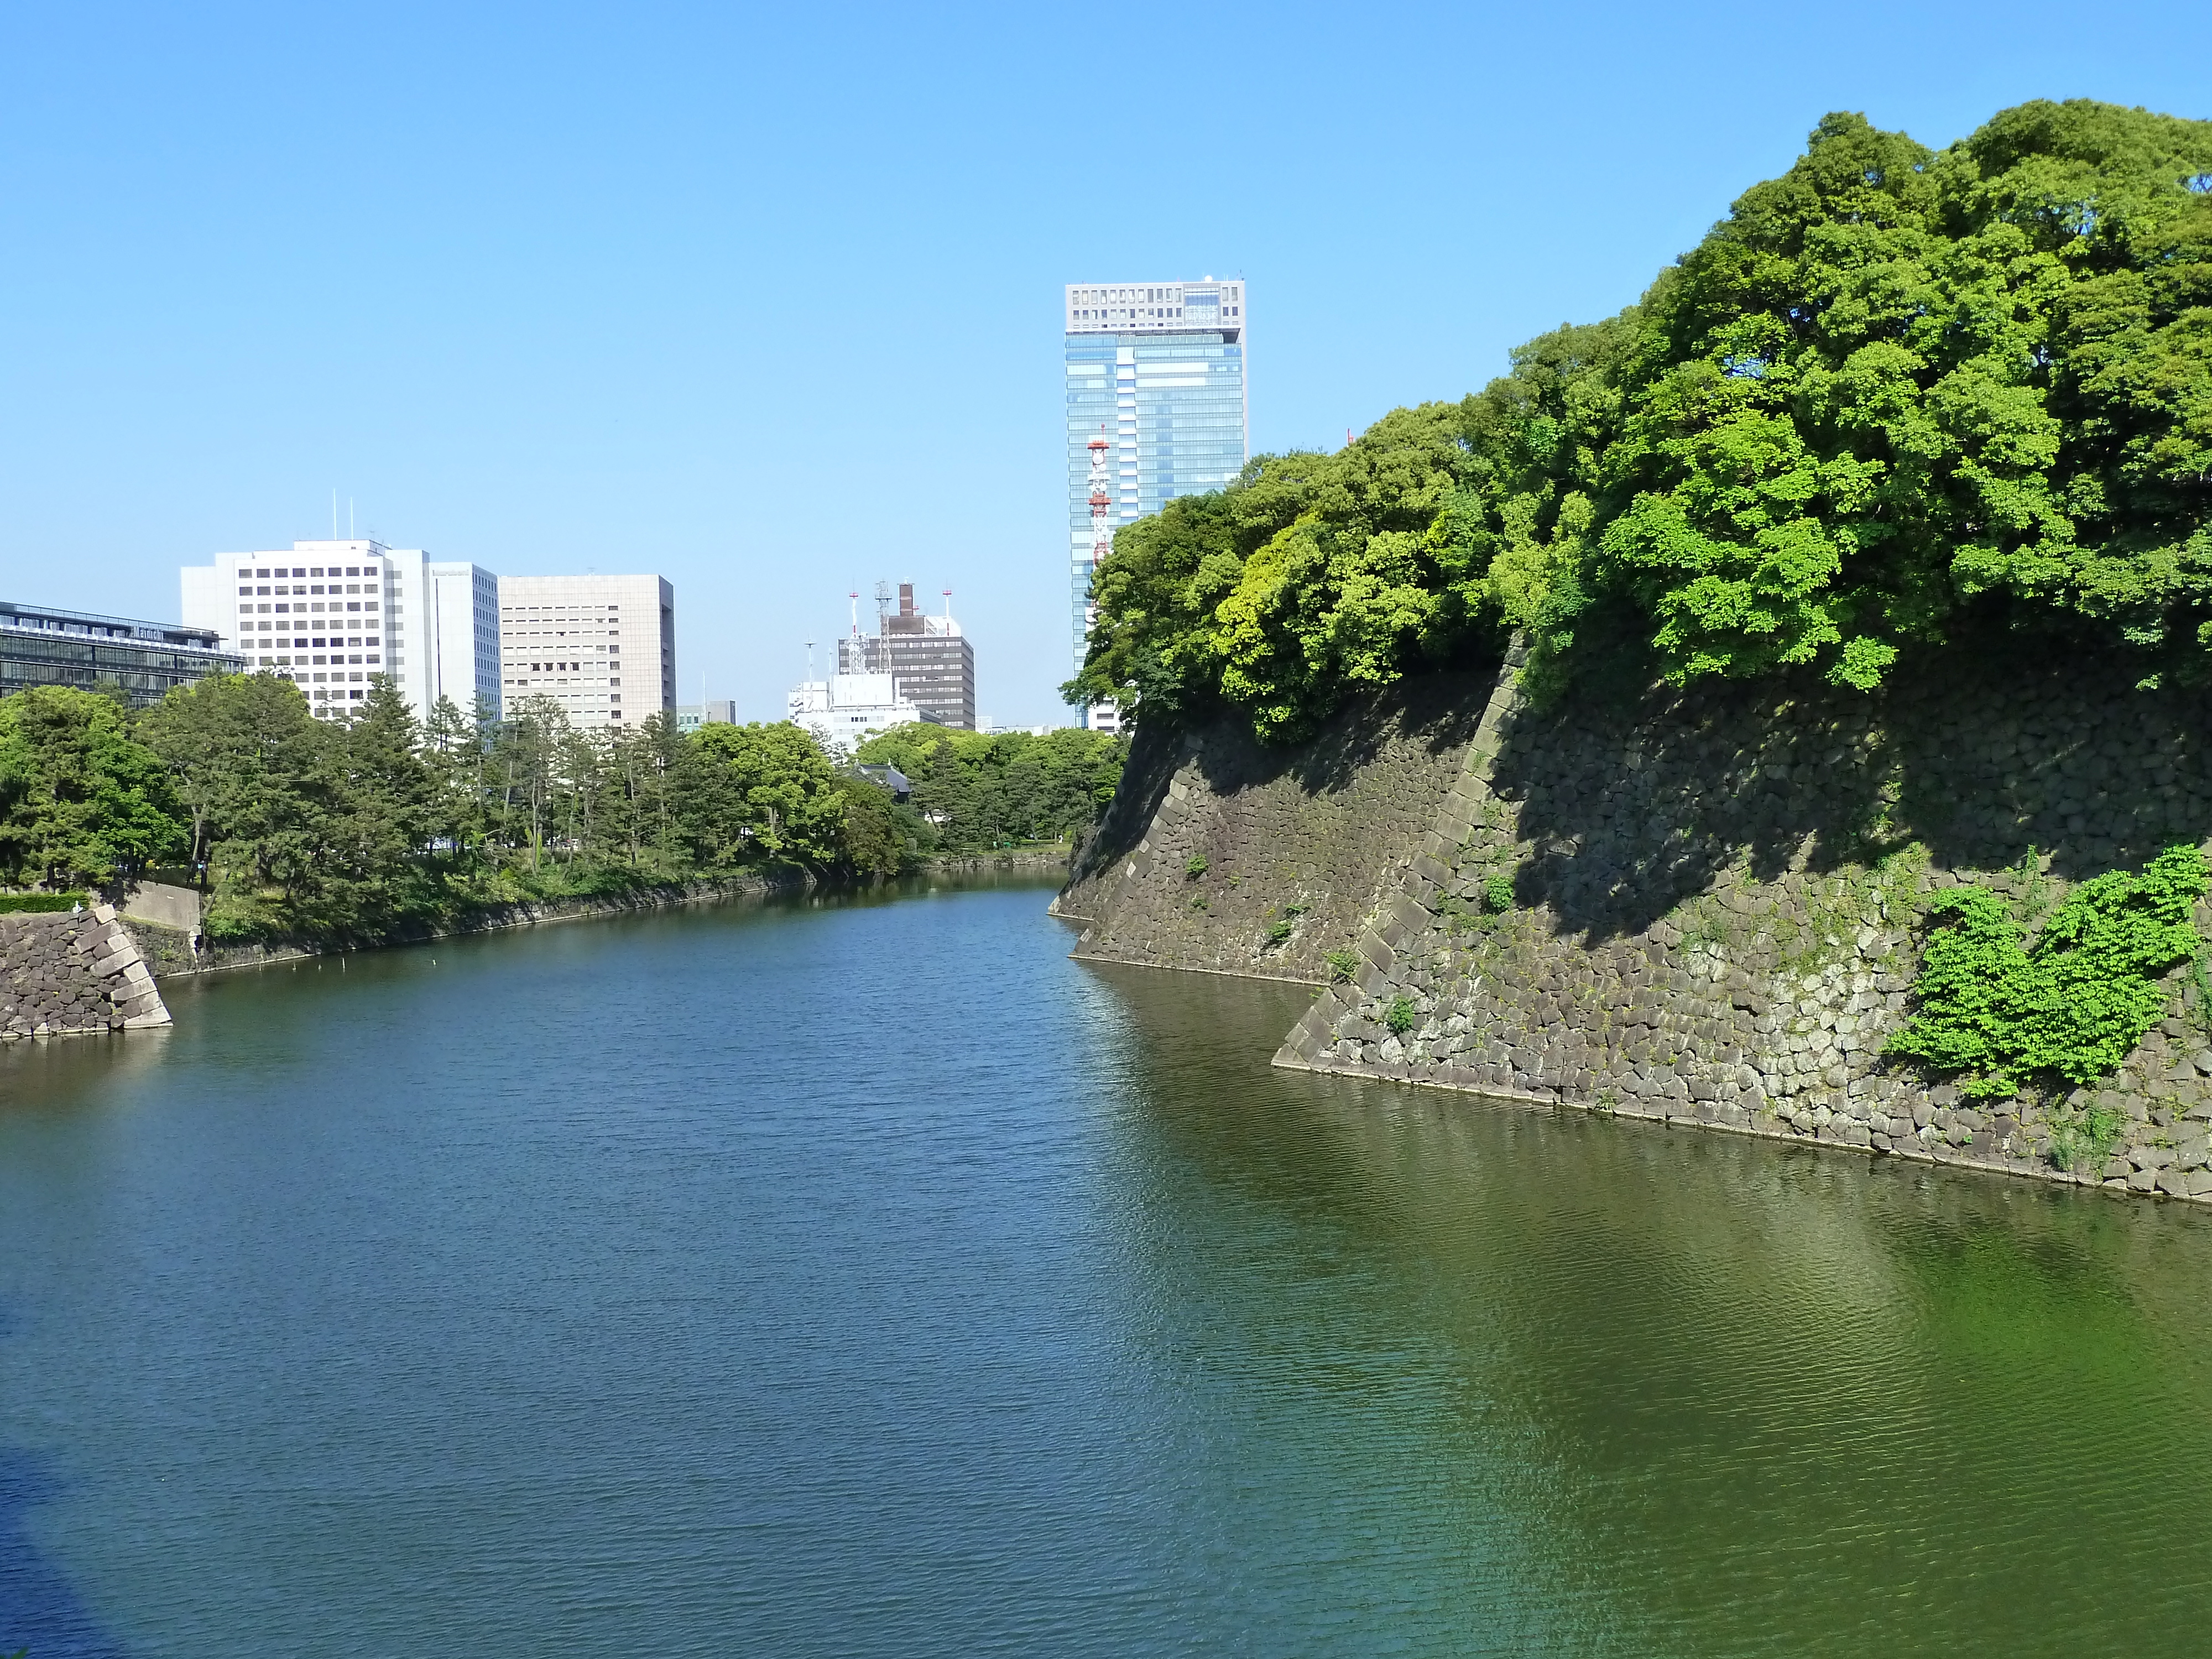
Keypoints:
pixel 931 660
pixel 330 616
pixel 602 647
pixel 1158 370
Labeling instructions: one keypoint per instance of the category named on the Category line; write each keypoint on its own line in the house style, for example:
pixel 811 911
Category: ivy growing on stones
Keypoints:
pixel 1400 1015
pixel 2000 1013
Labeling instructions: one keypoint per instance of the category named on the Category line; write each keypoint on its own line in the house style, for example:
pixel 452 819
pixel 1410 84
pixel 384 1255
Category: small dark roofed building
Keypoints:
pixel 145 659
pixel 932 661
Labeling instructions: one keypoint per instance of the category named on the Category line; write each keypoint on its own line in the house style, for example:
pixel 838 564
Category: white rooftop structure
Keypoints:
pixel 845 710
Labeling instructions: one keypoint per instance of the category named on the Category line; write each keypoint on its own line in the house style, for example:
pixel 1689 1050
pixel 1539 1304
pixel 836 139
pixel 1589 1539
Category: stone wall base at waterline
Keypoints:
pixel 73 975
pixel 1009 858
pixel 1709 908
pixel 172 953
pixel 1955 1138
pixel 1700 907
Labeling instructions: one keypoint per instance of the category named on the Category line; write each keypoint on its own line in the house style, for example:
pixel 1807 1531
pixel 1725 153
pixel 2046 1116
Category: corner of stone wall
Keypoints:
pixel 70 974
pixel 1407 911
pixel 1223 855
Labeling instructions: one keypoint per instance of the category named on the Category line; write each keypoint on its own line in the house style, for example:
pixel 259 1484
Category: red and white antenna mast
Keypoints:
pixel 1101 716
pixel 1101 538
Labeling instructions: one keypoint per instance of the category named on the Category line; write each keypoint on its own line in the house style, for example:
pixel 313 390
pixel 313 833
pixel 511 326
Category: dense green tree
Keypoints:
pixel 876 837
pixel 1895 389
pixel 456 752
pixel 748 794
pixel 80 800
pixel 251 767
pixel 379 816
pixel 980 790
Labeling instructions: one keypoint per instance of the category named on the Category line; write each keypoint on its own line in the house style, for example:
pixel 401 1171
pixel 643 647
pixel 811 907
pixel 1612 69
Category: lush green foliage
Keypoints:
pixel 350 828
pixel 17 904
pixel 1893 389
pixel 981 790
pixel 754 793
pixel 2000 1014
pixel 1400 1015
pixel 1342 965
pixel 80 800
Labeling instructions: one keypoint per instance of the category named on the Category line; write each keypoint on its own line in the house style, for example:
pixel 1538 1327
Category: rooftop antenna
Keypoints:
pixel 948 604
pixel 810 666
pixel 856 596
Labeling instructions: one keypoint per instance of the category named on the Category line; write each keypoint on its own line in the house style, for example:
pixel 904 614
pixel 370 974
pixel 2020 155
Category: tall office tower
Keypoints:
pixel 331 614
pixel 1157 370
pixel 931 660
pixel 603 647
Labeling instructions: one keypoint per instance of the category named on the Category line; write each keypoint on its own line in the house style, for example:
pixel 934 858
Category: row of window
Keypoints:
pixel 246 592
pixel 258 574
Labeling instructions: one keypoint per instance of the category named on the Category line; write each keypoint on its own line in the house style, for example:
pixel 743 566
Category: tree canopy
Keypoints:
pixel 80 800
pixel 1895 391
pixel 979 790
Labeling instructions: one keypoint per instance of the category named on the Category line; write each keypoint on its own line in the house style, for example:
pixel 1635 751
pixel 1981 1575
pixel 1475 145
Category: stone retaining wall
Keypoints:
pixel 1716 909
pixel 1217 853
pixel 73 974
pixel 1714 904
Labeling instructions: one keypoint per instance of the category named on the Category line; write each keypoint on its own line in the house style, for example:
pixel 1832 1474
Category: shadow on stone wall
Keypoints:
pixel 1437 712
pixel 1630 803
pixel 1219 852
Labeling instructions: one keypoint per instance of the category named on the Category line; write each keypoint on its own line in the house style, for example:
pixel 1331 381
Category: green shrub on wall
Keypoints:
pixel 1998 1013
pixel 15 904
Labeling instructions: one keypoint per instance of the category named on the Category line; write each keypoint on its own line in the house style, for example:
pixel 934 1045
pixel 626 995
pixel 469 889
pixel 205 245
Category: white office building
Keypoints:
pixel 603 648
pixel 331 614
pixel 844 711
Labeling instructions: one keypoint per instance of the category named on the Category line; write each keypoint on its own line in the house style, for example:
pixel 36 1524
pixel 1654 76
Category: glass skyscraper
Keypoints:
pixel 1157 369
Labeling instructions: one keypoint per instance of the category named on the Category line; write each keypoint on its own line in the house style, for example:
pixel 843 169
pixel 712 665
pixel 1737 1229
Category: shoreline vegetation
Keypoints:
pixel 312 836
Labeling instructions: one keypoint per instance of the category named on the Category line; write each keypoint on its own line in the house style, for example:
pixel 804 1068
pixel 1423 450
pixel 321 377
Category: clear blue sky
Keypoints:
pixel 767 300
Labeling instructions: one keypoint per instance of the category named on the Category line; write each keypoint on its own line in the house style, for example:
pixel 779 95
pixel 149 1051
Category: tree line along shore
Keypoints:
pixel 304 830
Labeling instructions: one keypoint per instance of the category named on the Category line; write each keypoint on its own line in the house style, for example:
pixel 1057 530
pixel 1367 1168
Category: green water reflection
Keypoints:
pixel 1604 1387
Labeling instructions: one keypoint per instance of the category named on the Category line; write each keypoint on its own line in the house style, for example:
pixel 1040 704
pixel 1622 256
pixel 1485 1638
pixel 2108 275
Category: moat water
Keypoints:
pixel 867 1279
